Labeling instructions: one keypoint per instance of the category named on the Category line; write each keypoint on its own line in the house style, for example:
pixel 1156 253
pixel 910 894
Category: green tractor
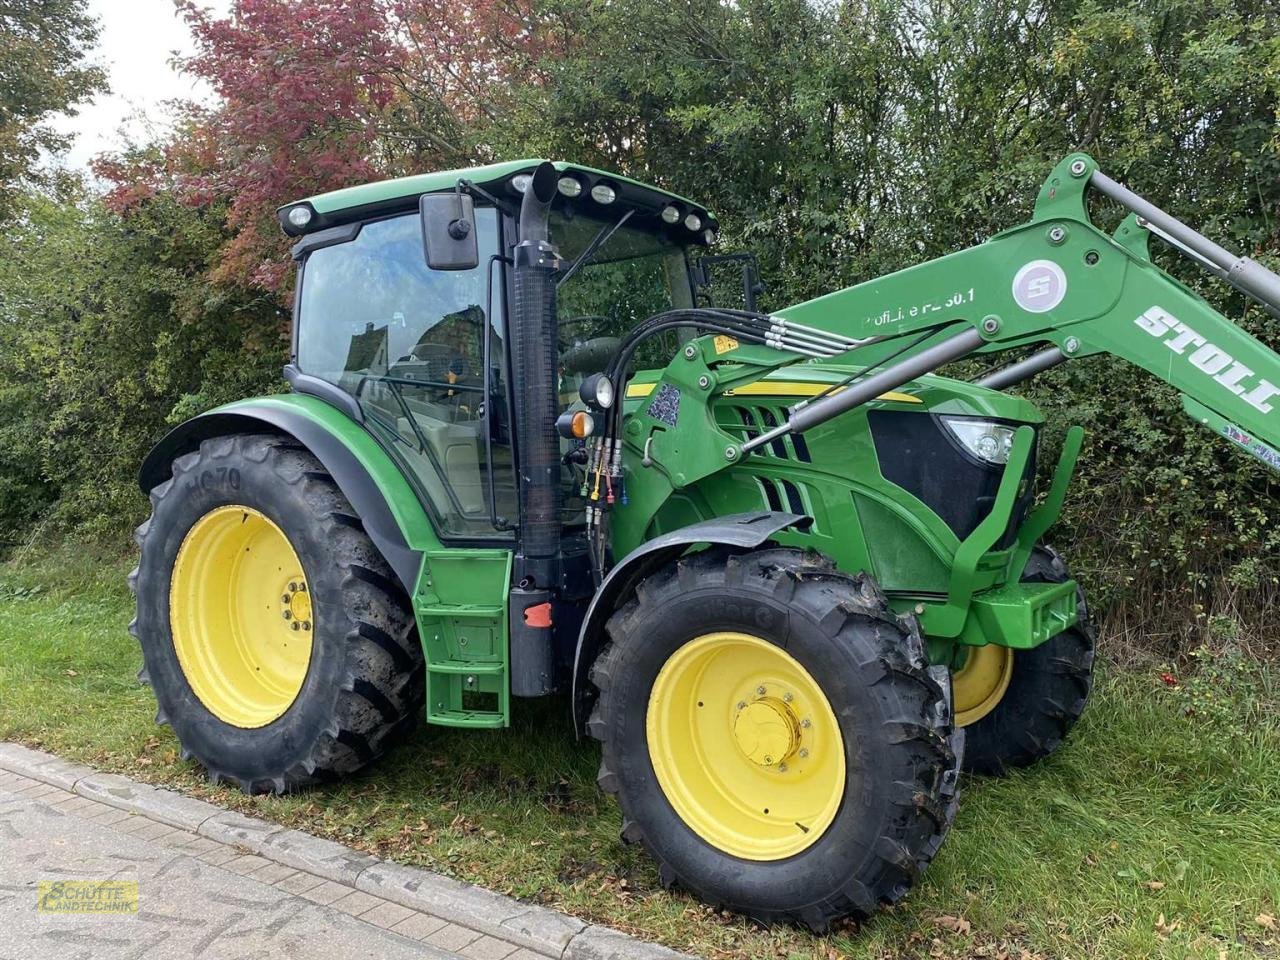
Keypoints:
pixel 783 571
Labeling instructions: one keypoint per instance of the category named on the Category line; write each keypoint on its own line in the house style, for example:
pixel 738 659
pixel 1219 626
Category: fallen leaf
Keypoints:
pixel 72 673
pixel 1267 921
pixel 1154 885
pixel 1164 929
pixel 955 924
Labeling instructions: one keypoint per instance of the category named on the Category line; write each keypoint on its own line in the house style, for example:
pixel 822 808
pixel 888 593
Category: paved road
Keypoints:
pixel 196 897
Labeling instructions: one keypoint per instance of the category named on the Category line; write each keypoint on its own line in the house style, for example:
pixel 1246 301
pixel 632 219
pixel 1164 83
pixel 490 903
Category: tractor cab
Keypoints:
pixel 423 352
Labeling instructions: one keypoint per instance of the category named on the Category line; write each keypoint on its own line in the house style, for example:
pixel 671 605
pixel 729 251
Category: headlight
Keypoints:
pixel 708 237
pixel 300 216
pixel 597 391
pixel 987 441
pixel 693 222
pixel 520 182
pixel 569 187
pixel 671 215
pixel 603 193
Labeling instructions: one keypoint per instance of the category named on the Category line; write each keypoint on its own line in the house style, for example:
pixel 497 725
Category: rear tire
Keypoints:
pixel 1047 690
pixel 357 689
pixel 889 712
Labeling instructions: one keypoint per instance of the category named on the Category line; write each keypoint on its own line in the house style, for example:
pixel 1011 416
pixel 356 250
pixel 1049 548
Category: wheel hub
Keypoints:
pixel 766 731
pixel 296 605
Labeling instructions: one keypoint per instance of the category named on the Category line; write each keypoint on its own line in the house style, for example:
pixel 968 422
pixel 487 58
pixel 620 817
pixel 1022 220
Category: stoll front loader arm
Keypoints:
pixel 1057 279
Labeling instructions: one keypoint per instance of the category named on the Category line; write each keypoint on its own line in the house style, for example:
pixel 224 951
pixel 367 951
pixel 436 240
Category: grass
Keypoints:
pixel 1155 832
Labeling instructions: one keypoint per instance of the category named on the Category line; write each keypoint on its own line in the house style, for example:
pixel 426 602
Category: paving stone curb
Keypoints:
pixel 539 929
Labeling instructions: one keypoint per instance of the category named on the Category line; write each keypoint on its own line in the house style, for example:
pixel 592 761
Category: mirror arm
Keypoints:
pixel 479 193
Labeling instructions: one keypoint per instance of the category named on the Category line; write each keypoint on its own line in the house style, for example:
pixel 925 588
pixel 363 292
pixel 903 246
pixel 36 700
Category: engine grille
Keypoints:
pixel 918 453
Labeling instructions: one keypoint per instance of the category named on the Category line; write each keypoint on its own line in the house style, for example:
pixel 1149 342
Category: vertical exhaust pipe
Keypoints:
pixel 534 370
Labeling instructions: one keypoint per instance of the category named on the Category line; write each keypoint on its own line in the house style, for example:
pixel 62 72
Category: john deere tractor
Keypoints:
pixel 782 569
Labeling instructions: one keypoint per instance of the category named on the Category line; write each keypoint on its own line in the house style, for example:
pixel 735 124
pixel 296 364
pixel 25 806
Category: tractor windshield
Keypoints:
pixel 630 276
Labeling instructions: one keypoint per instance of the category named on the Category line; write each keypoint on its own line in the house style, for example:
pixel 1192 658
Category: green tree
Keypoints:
pixel 43 45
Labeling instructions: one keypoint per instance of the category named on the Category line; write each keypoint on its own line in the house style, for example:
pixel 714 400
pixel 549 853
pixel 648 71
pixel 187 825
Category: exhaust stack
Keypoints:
pixel 534 383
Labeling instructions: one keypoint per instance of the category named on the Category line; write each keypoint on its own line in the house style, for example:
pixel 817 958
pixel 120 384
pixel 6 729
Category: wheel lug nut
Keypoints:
pixel 742 704
pixel 760 690
pixel 285 598
pixel 295 625
pixel 806 724
pixel 804 752
pixel 782 768
pixel 787 698
pixel 302 588
pixel 293 587
pixel 306 624
pixel 288 614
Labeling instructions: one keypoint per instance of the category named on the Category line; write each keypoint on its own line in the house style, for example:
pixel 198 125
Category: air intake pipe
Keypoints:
pixel 535 384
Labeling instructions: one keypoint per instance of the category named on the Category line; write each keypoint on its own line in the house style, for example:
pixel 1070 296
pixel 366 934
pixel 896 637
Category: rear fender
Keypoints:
pixel 743 530
pixel 387 506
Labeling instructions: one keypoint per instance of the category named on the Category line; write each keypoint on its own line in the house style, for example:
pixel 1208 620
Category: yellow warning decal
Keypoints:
pixel 725 343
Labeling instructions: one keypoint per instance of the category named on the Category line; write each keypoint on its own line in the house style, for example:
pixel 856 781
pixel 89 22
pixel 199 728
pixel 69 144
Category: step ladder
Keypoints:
pixel 461 607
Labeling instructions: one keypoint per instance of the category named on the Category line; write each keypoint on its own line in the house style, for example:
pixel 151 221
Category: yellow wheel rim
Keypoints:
pixel 240 614
pixel 745 746
pixel 980 684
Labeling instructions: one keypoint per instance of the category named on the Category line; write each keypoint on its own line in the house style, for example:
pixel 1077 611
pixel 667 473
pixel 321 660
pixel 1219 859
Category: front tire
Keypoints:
pixel 279 647
pixel 1043 692
pixel 774 736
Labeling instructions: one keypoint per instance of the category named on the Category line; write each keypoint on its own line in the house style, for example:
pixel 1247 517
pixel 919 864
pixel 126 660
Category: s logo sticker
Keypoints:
pixel 1039 286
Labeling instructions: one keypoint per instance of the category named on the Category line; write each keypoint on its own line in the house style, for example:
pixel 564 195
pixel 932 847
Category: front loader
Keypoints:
pixel 790 578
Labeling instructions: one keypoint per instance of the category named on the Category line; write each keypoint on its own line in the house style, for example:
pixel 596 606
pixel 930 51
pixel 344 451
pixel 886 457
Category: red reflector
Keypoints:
pixel 538 615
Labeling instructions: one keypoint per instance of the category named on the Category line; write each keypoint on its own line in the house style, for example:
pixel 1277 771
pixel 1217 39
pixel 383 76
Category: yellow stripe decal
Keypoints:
pixel 774 388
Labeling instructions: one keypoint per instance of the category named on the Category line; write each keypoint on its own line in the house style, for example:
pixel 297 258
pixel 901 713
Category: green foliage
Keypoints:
pixel 1221 687
pixel 108 333
pixel 43 44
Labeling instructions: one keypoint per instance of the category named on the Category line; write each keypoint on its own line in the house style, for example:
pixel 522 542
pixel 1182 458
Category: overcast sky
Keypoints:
pixel 137 40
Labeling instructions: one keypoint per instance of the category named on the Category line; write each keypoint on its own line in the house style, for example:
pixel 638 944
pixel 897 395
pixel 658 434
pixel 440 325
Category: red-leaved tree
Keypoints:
pixel 312 95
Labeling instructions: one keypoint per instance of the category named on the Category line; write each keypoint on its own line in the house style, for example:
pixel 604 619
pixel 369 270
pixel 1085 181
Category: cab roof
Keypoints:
pixel 391 196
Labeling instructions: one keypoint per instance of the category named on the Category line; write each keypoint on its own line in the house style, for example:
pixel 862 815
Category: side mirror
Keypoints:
pixel 750 272
pixel 449 231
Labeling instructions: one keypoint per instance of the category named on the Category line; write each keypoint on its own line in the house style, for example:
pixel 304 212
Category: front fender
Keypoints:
pixel 744 530
pixel 390 511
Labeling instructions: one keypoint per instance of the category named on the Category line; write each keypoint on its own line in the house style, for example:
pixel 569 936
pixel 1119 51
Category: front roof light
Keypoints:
pixel 671 214
pixel 708 236
pixel 300 216
pixel 520 182
pixel 603 193
pixel 569 187
pixel 693 222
